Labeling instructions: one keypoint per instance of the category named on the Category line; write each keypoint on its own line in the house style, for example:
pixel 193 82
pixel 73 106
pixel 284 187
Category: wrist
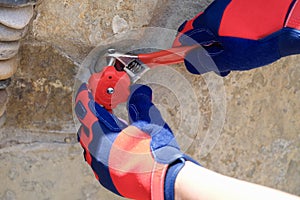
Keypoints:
pixel 188 182
pixel 171 184
pixel 170 179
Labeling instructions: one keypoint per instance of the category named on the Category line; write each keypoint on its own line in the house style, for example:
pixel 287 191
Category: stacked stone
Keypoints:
pixel 15 16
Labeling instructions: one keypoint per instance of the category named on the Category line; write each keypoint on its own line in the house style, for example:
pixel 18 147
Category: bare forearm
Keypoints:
pixel 195 182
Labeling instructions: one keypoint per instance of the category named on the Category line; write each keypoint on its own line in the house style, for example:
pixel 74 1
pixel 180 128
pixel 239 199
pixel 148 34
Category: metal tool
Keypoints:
pixel 110 86
pixel 129 63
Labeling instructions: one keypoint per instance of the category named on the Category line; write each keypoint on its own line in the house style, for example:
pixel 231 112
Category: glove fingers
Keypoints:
pixel 82 135
pixel 199 61
pixel 197 36
pixel 141 108
pixel 88 111
pixel 194 32
pixel 289 42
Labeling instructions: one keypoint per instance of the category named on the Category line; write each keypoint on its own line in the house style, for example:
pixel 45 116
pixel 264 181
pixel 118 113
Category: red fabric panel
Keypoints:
pixel 131 164
pixel 85 141
pixel 88 120
pixel 293 20
pixel 158 181
pixel 253 19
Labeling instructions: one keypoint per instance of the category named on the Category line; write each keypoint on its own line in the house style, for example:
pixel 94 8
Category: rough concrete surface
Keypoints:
pixel 16 18
pixel 10 34
pixel 8 67
pixel 245 125
pixel 17 3
pixel 3 101
pixel 8 49
pixel 76 26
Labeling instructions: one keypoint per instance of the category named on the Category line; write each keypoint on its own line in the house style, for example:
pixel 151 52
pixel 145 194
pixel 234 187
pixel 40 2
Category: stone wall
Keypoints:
pixel 244 125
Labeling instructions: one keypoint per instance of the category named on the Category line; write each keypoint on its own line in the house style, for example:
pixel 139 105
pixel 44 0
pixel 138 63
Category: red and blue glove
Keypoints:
pixel 139 161
pixel 241 35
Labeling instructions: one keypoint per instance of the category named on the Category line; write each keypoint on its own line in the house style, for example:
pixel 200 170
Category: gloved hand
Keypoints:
pixel 241 35
pixel 139 161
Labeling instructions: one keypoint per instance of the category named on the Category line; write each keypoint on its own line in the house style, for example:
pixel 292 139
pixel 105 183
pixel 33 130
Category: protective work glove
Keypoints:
pixel 139 161
pixel 241 35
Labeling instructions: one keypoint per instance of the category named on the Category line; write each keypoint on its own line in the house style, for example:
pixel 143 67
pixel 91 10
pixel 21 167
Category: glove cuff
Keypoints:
pixel 173 170
pixel 171 175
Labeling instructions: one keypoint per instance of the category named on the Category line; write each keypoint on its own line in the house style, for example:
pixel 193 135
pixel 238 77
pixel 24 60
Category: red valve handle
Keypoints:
pixel 109 87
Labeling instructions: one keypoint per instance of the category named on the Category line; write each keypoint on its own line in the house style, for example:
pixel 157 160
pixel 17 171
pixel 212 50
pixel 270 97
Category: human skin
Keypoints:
pixel 197 183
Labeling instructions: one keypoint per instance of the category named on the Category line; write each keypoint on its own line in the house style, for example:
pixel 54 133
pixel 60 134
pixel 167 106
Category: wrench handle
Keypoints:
pixel 166 57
